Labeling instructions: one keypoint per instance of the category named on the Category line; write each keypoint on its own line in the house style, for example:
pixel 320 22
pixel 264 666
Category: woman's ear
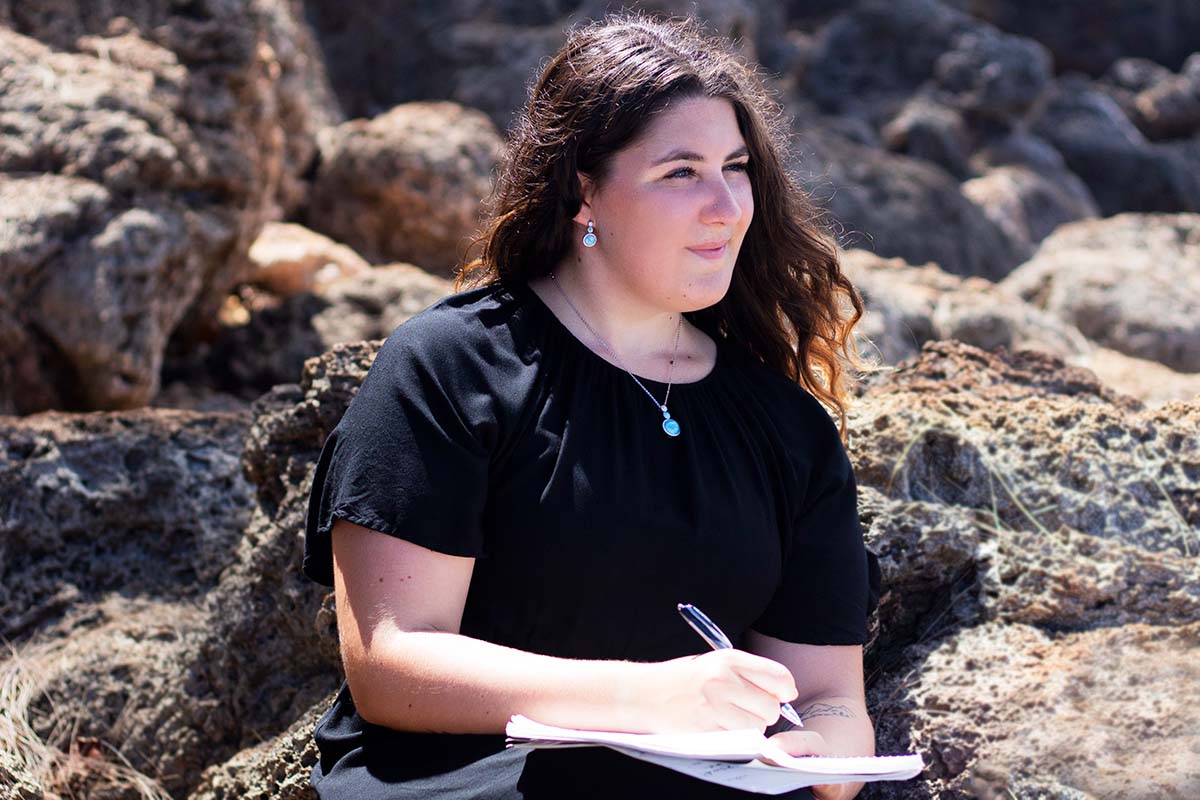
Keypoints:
pixel 587 188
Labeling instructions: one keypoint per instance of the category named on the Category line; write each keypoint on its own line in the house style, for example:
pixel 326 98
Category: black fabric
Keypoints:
pixel 486 429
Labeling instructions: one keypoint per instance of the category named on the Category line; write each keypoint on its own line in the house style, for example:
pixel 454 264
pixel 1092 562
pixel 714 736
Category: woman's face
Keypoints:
pixel 672 211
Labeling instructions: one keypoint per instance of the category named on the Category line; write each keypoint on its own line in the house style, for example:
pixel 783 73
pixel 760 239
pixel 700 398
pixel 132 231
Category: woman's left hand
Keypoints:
pixel 811 743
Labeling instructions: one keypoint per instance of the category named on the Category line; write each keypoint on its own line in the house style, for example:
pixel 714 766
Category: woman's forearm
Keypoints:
pixel 446 682
pixel 846 728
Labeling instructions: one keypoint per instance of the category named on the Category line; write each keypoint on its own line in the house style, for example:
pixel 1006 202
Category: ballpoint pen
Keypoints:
pixel 717 640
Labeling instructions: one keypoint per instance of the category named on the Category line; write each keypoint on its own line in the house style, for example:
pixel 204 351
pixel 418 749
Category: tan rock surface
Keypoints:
pixel 1028 205
pixel 1035 443
pixel 1128 282
pixel 288 259
pixel 406 185
pixel 139 156
pixel 908 305
pixel 1110 712
pixel 1148 381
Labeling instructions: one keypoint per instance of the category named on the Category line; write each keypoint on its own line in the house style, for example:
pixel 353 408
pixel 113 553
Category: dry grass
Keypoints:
pixel 40 769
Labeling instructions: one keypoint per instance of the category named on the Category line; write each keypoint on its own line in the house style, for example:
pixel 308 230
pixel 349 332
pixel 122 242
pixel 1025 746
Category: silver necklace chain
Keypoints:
pixel 670 370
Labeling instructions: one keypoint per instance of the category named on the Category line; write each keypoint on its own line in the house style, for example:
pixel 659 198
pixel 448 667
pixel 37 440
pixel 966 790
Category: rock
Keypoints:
pixel 1035 444
pixel 1029 205
pixel 271 347
pixel 486 53
pixel 177 686
pixel 368 44
pixel 118 681
pixel 1082 41
pixel 990 76
pixel 1161 104
pixel 1019 147
pixel 898 206
pixel 407 185
pixel 148 504
pixel 1122 169
pixel 1127 282
pixel 931 132
pixel 1148 381
pixel 1109 712
pixel 277 769
pixel 293 420
pixel 947 568
pixel 908 306
pixel 139 157
pixel 872 57
pixel 289 259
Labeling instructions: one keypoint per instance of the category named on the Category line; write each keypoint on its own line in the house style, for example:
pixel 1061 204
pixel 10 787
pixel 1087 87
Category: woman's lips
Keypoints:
pixel 712 252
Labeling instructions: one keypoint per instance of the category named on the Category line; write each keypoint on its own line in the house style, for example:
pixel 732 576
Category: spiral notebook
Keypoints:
pixel 730 758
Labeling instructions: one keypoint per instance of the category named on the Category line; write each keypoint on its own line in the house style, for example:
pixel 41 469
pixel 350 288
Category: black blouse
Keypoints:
pixel 485 429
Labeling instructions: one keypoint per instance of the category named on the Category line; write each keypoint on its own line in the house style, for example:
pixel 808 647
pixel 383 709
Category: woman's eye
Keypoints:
pixel 686 172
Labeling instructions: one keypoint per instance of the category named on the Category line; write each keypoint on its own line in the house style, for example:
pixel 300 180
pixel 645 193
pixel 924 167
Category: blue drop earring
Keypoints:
pixel 589 238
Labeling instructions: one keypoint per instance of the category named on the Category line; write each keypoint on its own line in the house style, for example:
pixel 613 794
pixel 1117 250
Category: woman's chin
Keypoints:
pixel 707 292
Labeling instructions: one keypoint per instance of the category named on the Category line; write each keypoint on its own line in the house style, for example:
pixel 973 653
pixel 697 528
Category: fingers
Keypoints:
pixel 801 743
pixel 769 676
pixel 755 687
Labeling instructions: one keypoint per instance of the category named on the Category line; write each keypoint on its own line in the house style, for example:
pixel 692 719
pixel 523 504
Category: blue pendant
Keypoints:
pixel 671 427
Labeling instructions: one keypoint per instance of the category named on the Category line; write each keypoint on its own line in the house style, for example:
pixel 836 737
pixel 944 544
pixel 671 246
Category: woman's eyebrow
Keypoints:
pixel 688 155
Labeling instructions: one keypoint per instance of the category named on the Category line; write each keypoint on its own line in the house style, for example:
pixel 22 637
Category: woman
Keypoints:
pixel 619 413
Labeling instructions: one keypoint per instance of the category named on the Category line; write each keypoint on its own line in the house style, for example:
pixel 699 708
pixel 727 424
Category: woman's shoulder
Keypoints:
pixel 459 362
pixel 774 385
pixel 472 313
pixel 477 327
pixel 801 421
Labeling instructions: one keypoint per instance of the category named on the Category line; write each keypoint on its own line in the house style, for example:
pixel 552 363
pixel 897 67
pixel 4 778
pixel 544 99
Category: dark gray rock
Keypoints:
pixel 144 504
pixel 1123 170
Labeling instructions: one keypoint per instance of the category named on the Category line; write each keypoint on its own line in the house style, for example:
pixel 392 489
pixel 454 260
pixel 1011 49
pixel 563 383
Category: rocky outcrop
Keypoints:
pixel 1013 710
pixel 485 53
pixel 271 343
pixel 1123 170
pixel 1028 205
pixel 406 185
pixel 1128 283
pixel 897 206
pixel 1162 104
pixel 1082 41
pixel 1034 443
pixel 178 681
pixel 872 57
pixel 908 306
pixel 139 158
pixel 277 769
pixel 1148 381
pixel 142 504
pixel 1026 645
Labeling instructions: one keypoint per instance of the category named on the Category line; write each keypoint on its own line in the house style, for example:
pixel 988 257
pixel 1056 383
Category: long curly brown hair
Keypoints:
pixel 788 304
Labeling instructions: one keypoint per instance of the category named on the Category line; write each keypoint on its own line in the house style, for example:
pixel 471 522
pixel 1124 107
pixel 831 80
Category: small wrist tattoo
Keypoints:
pixel 825 710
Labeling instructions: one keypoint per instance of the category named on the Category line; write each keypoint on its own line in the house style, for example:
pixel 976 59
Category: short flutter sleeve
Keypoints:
pixel 410 456
pixel 830 580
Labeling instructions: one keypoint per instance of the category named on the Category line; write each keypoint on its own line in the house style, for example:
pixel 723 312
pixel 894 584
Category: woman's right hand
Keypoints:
pixel 718 690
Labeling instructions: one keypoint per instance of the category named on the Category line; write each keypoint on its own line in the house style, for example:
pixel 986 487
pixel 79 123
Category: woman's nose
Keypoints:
pixel 722 205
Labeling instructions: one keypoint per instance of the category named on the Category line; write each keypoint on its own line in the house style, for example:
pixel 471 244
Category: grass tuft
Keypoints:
pixel 41 768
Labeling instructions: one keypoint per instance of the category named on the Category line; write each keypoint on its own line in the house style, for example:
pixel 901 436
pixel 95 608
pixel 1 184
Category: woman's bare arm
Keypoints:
pixel 831 701
pixel 399 612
